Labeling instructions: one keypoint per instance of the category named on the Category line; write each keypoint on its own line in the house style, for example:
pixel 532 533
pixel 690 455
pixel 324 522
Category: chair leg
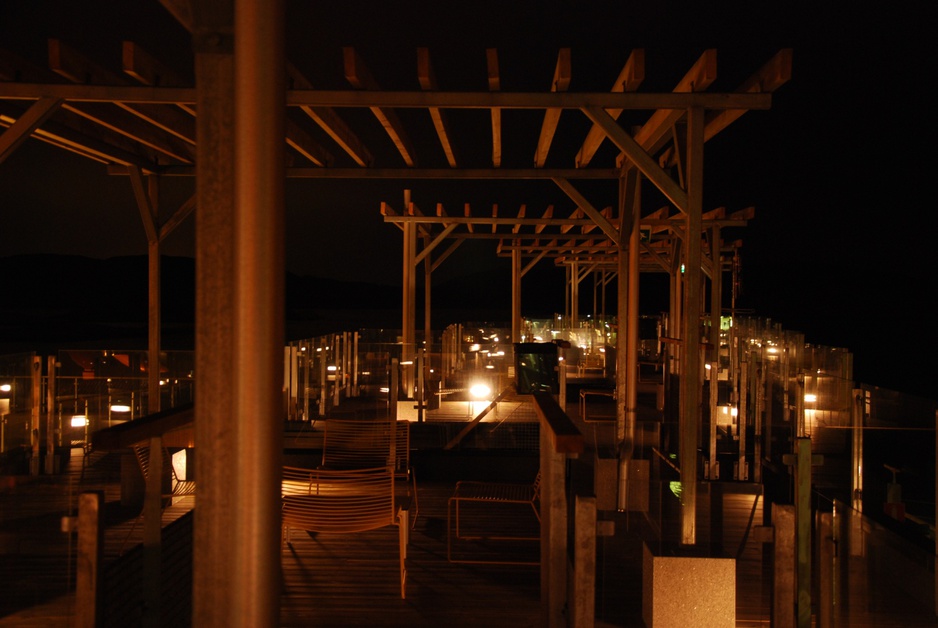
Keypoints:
pixel 413 478
pixel 402 540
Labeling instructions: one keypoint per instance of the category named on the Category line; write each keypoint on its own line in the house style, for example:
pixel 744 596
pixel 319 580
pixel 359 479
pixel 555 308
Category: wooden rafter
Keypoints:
pixel 494 78
pixel 428 83
pixel 629 80
pixel 560 83
pixel 329 121
pixel 358 75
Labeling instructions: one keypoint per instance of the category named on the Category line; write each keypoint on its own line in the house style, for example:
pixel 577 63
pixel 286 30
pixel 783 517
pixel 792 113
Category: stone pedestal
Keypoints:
pixel 687 591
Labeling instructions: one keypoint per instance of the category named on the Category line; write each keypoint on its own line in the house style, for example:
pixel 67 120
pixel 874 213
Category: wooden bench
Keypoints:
pixel 364 443
pixel 494 494
pixel 343 502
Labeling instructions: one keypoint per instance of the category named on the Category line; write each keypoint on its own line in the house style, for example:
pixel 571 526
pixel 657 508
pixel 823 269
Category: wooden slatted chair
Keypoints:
pixel 343 502
pixel 493 494
pixel 177 487
pixel 364 443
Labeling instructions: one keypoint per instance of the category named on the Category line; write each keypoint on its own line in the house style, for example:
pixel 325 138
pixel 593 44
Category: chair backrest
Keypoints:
pixel 338 500
pixel 357 443
pixel 176 486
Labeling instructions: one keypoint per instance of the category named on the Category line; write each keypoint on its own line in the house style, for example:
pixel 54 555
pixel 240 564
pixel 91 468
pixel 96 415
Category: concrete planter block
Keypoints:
pixel 685 591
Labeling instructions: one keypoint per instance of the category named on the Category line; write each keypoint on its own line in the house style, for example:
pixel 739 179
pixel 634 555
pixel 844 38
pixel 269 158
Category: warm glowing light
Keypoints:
pixel 332 368
pixel 5 388
pixel 384 389
pixel 490 366
pixel 407 362
pixel 810 398
pixel 474 347
pixel 79 420
pixel 480 391
pixel 119 407
pixel 180 466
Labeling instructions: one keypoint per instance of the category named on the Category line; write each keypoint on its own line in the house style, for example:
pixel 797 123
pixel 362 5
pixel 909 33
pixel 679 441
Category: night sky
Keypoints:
pixel 838 170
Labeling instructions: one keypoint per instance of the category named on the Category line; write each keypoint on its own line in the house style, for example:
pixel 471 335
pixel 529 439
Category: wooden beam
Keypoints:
pixel 302 142
pixel 146 69
pixel 697 79
pixel 77 135
pixel 520 215
pixel 775 73
pixel 177 218
pixel 26 124
pixel 69 63
pixel 629 79
pixel 491 59
pixel 636 153
pixel 428 83
pixel 563 434
pixel 359 77
pixel 402 99
pixel 145 205
pixel 560 83
pixel 548 213
pixel 330 122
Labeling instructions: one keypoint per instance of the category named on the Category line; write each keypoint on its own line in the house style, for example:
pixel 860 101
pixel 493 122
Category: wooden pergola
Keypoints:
pixel 252 118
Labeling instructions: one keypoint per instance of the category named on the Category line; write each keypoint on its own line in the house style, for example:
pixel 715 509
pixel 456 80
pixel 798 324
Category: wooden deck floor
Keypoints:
pixel 352 580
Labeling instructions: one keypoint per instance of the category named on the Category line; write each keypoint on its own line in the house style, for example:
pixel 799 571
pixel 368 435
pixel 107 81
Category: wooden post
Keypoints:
pixel 690 348
pixel 803 529
pixel 783 585
pixel 584 562
pixel 152 533
pixel 50 416
pixel 553 534
pixel 826 575
pixel 516 292
pixel 35 404
pixel 90 560
pixel 212 29
pixel 559 438
pixel 801 461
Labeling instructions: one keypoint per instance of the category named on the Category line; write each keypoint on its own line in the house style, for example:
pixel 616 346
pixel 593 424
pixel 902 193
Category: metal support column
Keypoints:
pixel 260 110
